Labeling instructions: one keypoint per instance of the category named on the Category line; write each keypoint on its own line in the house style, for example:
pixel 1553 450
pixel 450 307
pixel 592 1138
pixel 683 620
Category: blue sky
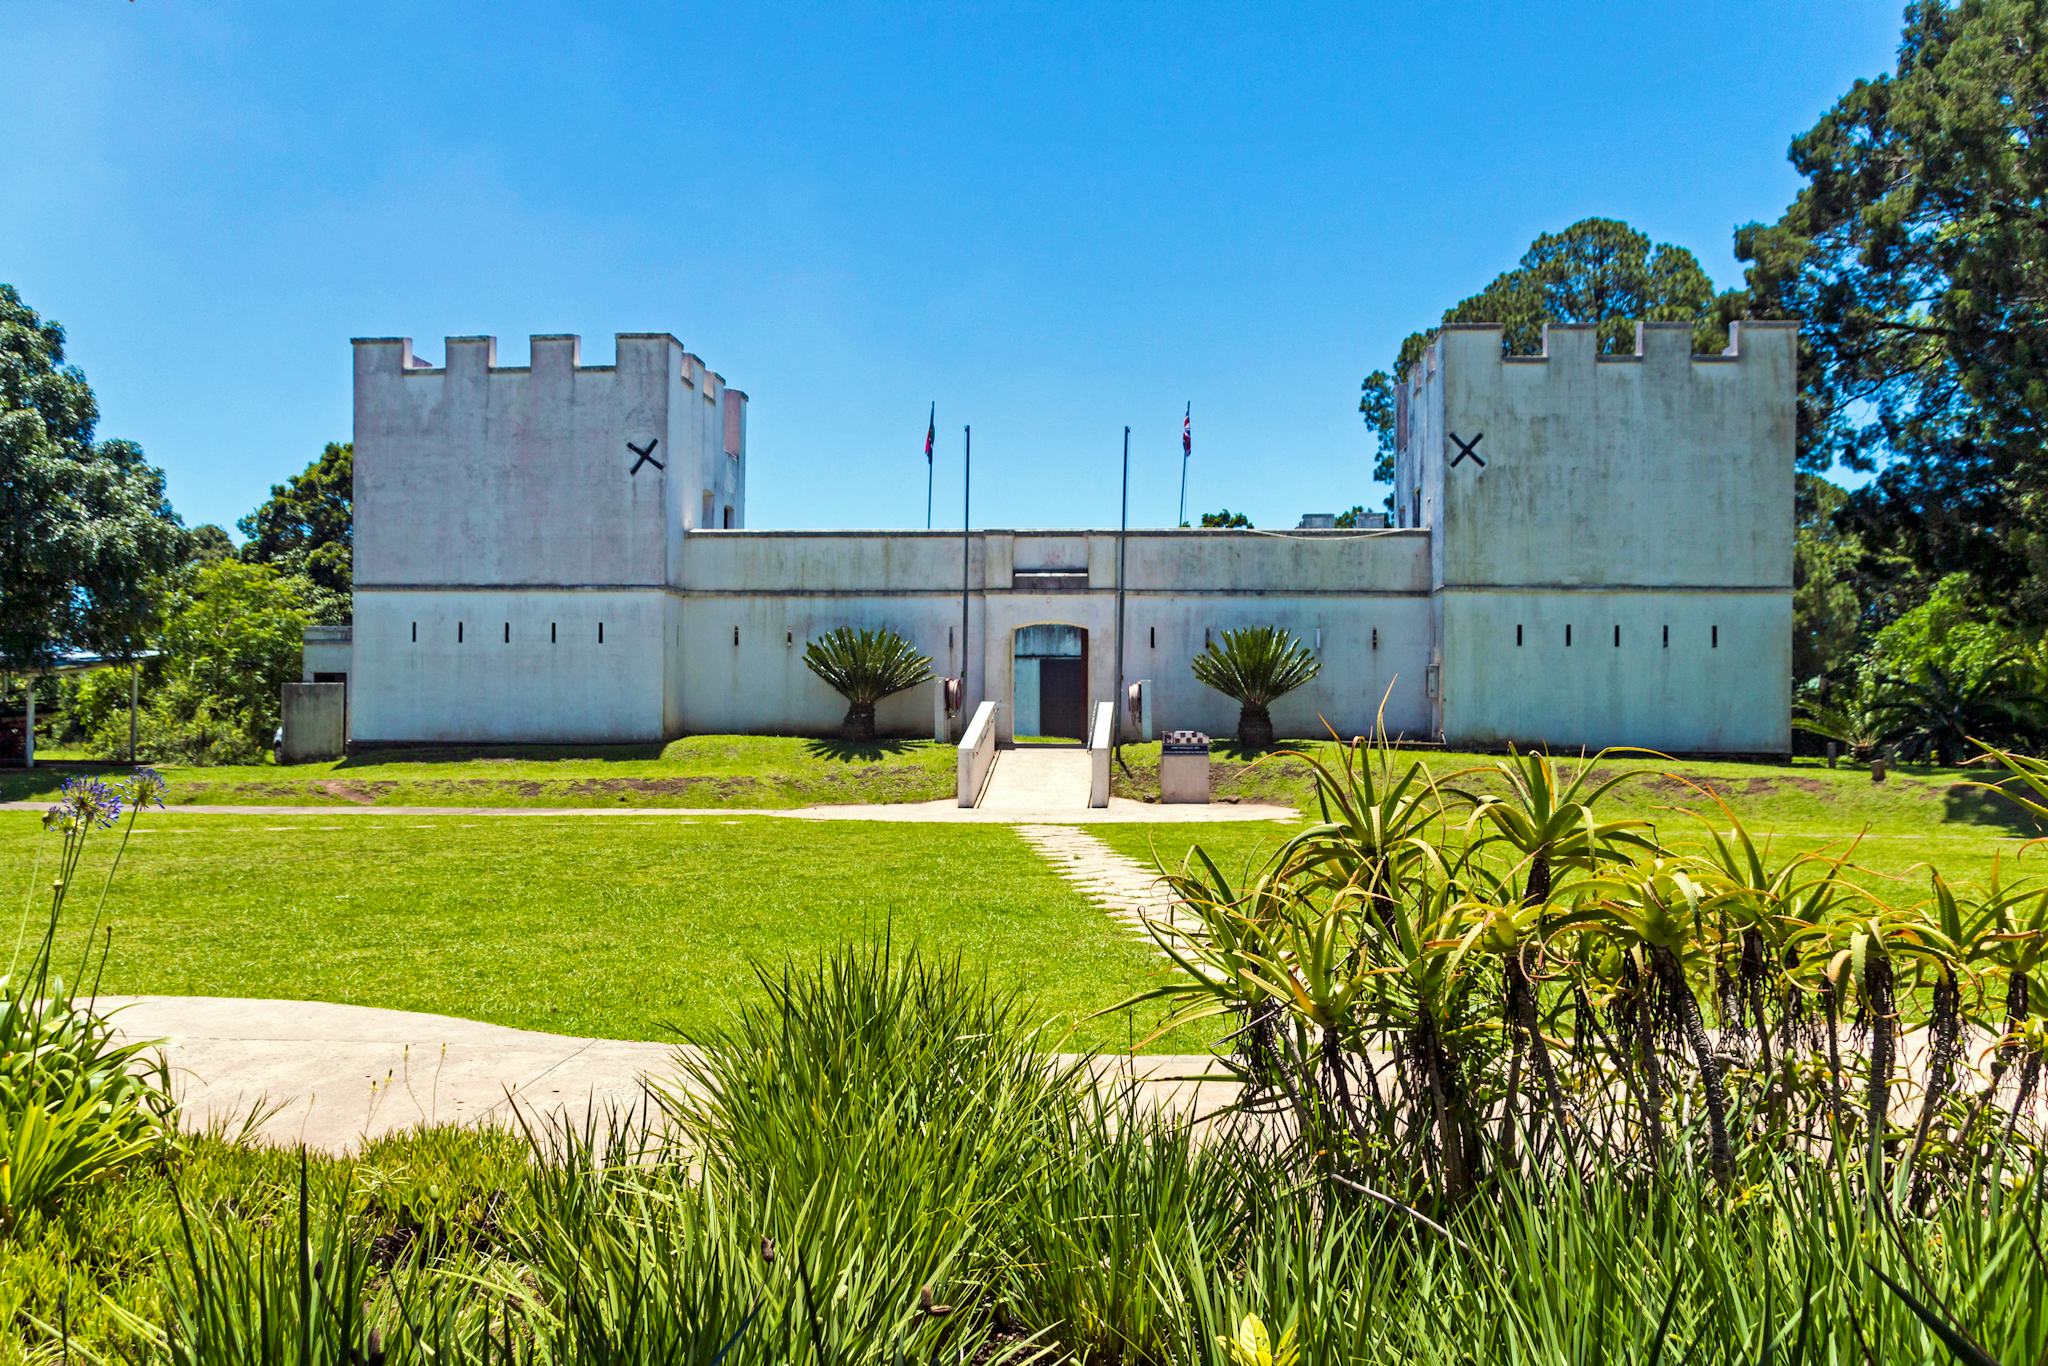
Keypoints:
pixel 1054 220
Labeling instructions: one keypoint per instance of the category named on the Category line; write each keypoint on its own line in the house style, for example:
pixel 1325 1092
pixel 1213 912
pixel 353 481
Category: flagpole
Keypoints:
pixel 966 487
pixel 929 427
pixel 1116 700
pixel 1185 451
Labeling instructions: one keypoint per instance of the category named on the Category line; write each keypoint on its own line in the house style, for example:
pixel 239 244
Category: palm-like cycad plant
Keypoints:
pixel 1937 714
pixel 1857 718
pixel 864 667
pixel 1255 667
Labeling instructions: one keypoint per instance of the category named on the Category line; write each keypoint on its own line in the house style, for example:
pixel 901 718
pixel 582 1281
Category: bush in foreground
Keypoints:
pixel 878 1165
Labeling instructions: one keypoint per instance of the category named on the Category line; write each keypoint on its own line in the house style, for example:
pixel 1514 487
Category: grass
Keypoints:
pixel 711 771
pixel 617 927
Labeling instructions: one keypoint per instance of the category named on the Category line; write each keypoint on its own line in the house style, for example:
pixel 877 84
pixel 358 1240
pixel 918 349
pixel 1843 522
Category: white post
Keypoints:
pixel 28 734
pixel 131 711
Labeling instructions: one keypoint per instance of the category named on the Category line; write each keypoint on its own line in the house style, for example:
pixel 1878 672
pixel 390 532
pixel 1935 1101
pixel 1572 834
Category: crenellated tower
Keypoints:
pixel 1611 536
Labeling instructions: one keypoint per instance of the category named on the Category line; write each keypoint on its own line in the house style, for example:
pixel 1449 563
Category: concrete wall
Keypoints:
pixel 436 665
pixel 1648 491
pixel 314 721
pixel 475 474
pixel 1365 594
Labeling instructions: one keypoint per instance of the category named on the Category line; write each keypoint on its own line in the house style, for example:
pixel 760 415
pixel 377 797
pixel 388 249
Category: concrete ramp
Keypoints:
pixel 1038 778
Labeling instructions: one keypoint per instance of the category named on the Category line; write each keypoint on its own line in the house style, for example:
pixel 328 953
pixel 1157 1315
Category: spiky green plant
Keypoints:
pixel 865 666
pixel 1255 667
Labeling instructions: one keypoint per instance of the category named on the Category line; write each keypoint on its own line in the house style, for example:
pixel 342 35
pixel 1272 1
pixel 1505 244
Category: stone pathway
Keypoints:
pixel 1129 890
pixel 330 1076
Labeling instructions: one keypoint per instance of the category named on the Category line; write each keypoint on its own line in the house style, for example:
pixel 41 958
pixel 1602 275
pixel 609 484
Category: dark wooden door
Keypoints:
pixel 1063 698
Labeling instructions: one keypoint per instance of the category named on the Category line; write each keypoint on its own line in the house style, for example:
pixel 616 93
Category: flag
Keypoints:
pixel 1187 432
pixel 931 430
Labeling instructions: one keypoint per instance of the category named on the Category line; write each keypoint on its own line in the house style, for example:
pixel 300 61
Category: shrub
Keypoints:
pixel 864 667
pixel 1255 667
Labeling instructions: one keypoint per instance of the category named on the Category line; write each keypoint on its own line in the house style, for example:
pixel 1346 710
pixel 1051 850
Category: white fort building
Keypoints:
pixel 1587 550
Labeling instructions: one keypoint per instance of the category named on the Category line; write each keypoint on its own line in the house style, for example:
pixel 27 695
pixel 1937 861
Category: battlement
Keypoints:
pixel 1657 344
pixel 556 351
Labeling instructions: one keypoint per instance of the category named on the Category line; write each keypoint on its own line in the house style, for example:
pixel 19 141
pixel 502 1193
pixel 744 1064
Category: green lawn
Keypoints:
pixel 616 927
pixel 1915 818
pixel 768 772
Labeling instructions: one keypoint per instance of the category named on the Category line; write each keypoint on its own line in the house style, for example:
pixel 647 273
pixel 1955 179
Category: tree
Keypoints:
pixel 208 544
pixel 307 527
pixel 232 636
pixel 864 667
pixel 1916 260
pixel 1352 517
pixel 1255 667
pixel 84 524
pixel 1827 610
pixel 1599 271
pixel 1227 519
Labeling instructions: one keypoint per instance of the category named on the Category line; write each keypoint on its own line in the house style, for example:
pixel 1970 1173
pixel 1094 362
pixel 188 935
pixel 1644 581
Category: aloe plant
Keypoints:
pixel 865 666
pixel 1255 667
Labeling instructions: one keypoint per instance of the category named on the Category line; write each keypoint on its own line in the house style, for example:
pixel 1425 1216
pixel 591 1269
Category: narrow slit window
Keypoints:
pixel 1375 637
pixel 1714 640
pixel 508 633
pixel 415 633
pixel 1152 636
pixel 551 633
pixel 735 637
pixel 1667 637
pixel 600 633
pixel 1518 635
pixel 1567 637
pixel 458 633
pixel 1617 635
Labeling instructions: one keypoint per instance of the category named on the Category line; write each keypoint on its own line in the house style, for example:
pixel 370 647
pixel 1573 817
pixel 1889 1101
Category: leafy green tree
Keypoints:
pixel 1598 270
pixel 1916 260
pixel 307 527
pixel 1352 517
pixel 1227 519
pixel 208 544
pixel 231 637
pixel 85 525
pixel 1827 608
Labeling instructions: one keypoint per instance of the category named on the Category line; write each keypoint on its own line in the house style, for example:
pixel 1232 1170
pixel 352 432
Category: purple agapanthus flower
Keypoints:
pixel 147 788
pixel 89 801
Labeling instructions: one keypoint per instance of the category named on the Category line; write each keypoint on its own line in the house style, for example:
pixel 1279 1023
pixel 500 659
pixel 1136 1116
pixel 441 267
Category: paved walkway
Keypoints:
pixel 330 1076
pixel 1038 778
pixel 1130 891
pixel 1119 810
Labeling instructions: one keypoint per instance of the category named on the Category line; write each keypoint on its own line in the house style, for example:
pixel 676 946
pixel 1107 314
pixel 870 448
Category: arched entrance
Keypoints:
pixel 1049 683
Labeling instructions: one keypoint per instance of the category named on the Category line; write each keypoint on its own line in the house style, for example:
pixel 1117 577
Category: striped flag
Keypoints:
pixel 931 430
pixel 1187 432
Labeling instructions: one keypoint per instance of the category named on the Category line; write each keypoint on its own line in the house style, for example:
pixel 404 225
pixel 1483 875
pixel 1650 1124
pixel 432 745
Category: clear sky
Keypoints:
pixel 1054 220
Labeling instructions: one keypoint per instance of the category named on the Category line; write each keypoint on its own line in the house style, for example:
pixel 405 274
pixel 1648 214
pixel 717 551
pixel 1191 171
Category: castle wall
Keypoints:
pixel 1645 491
pixel 755 599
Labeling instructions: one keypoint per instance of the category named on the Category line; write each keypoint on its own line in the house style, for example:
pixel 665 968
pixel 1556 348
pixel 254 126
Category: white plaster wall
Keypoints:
pixel 1660 468
pixel 477 474
pixel 1690 696
pixel 537 689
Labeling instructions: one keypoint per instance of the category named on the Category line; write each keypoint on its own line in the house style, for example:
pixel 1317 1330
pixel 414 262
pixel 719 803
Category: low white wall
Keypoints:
pixel 977 755
pixel 1101 736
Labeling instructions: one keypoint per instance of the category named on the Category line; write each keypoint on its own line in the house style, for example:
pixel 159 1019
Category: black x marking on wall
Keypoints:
pixel 1465 449
pixel 646 455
